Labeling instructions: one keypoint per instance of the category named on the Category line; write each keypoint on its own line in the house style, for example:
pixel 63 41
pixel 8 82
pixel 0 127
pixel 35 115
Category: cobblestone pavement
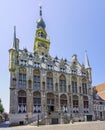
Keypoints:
pixel 98 125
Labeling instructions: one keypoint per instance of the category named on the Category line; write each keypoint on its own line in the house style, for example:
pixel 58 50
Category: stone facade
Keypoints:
pixel 47 88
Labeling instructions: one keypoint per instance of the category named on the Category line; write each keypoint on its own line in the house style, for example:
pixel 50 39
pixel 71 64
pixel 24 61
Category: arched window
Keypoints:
pixel 22 101
pixel 22 78
pixel 36 102
pixel 75 104
pixel 36 79
pixel 74 84
pixel 50 102
pixel 49 82
pixel 84 86
pixel 63 102
pixel 62 83
pixel 85 104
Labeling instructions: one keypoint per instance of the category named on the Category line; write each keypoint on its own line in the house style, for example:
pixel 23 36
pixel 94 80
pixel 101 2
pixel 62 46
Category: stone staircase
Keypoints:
pixel 37 119
pixel 46 119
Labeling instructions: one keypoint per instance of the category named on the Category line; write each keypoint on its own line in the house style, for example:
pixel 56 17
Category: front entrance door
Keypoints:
pixel 89 117
pixel 54 121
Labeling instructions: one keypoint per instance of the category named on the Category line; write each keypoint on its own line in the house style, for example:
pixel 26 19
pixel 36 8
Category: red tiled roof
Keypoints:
pixel 101 95
pixel 100 89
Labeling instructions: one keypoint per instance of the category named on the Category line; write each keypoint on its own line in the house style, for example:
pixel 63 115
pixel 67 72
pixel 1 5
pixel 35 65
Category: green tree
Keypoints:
pixel 1 107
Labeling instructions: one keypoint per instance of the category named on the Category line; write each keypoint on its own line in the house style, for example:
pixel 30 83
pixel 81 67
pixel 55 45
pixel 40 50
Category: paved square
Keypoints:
pixel 96 125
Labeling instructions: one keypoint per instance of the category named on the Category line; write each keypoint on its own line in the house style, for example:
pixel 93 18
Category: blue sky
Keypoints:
pixel 72 25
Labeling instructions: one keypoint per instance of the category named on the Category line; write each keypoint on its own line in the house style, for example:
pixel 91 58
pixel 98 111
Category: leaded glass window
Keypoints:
pixel 36 80
pixel 36 102
pixel 22 82
pixel 49 82
pixel 74 87
pixel 62 83
pixel 22 101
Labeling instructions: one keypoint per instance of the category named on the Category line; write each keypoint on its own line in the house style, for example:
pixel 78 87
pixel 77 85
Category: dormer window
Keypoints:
pixel 37 65
pixel 30 56
pixel 23 62
pixel 50 67
pixel 74 71
pixel 62 69
pixel 83 74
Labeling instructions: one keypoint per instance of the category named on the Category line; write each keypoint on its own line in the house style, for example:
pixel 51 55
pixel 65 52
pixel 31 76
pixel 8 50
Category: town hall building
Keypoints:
pixel 45 88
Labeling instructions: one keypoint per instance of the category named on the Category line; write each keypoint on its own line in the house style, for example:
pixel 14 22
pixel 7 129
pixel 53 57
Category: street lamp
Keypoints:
pixel 38 120
pixel 26 118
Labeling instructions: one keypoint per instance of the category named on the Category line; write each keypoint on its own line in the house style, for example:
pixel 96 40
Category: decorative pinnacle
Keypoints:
pixel 14 39
pixel 15 32
pixel 87 65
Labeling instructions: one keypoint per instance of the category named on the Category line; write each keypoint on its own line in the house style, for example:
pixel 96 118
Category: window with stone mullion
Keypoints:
pixel 49 83
pixel 75 103
pixel 62 84
pixel 36 82
pixel 37 101
pixel 74 87
pixel 84 87
pixel 22 104
pixel 22 80
pixel 22 100
pixel 86 104
pixel 50 101
pixel 36 105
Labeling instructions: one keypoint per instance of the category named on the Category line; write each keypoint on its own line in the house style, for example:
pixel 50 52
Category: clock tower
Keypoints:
pixel 41 43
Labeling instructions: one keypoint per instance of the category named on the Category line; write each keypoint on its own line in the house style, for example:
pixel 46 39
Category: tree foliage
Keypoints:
pixel 1 108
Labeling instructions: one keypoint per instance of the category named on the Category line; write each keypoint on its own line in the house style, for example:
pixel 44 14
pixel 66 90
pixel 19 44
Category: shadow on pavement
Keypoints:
pixel 4 124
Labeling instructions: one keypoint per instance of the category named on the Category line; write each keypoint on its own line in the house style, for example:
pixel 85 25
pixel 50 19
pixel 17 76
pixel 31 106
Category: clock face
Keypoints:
pixel 43 65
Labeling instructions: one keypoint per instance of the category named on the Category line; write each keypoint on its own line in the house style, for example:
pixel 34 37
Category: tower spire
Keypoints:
pixel 41 10
pixel 40 21
pixel 14 39
pixel 87 65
